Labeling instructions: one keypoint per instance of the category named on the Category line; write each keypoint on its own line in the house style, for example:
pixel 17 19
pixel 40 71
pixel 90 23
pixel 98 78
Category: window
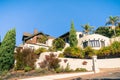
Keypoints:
pixel 94 43
pixel 80 35
pixel 102 43
pixel 67 40
pixel 85 44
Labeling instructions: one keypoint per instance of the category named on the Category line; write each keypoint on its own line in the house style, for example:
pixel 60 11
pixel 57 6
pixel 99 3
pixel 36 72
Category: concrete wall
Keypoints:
pixel 109 63
pixel 76 63
pixel 101 63
pixel 42 57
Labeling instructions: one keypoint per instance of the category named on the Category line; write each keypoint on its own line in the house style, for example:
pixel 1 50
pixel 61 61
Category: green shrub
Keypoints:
pixel 110 51
pixel 67 69
pixel 58 70
pixel 42 39
pixel 80 70
pixel 115 46
pixel 73 52
pixel 89 52
pixel 27 68
pixel 51 49
pixel 58 44
pixel 61 55
pixel 3 73
pixel 104 52
pixel 40 50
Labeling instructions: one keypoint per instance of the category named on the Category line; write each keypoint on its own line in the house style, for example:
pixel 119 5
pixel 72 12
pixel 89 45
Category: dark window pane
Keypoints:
pixel 85 44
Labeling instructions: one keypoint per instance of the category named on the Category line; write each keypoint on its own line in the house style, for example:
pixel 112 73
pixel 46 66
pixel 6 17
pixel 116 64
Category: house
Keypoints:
pixel 96 41
pixel 35 40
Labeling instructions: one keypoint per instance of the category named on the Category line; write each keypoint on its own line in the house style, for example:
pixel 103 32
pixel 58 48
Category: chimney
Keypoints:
pixel 35 31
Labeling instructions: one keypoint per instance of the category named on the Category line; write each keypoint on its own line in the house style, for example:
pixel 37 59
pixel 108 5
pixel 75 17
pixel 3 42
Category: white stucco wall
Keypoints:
pixel 101 63
pixel 42 57
pixel 76 63
pixel 109 63
pixel 49 42
pixel 35 46
pixel 78 33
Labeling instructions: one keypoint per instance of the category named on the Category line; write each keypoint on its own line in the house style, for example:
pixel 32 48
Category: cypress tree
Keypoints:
pixel 73 36
pixel 7 50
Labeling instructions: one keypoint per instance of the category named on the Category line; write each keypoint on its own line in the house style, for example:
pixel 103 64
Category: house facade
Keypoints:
pixel 33 41
pixel 96 41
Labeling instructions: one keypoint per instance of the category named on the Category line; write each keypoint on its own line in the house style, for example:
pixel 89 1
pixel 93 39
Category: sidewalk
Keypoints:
pixel 58 76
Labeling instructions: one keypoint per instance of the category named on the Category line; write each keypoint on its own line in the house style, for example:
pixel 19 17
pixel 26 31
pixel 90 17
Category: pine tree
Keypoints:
pixel 7 50
pixel 73 36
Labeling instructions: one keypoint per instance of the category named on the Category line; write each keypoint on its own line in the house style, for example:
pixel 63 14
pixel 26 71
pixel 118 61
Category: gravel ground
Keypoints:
pixel 105 74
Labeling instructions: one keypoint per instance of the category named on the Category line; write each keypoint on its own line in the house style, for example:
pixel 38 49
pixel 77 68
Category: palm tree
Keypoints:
pixel 87 28
pixel 113 20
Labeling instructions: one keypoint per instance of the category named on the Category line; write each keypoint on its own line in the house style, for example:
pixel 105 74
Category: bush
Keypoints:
pixel 110 51
pixel 58 44
pixel 58 70
pixel 104 52
pixel 51 49
pixel 50 62
pixel 89 52
pixel 61 55
pixel 25 57
pixel 73 52
pixel 115 48
pixel 42 39
pixel 40 50
pixel 67 69
pixel 3 73
pixel 27 68
pixel 80 70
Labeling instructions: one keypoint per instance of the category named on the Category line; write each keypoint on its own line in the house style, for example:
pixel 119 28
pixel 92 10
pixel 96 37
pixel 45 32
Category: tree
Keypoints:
pixel 58 44
pixel 73 36
pixel 105 31
pixel 87 28
pixel 113 20
pixel 7 50
pixel 42 38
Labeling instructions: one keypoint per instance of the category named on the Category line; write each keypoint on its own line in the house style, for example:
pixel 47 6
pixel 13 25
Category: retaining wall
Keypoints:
pixel 101 63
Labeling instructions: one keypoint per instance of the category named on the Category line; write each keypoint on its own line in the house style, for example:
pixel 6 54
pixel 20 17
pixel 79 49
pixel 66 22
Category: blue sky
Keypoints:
pixel 53 17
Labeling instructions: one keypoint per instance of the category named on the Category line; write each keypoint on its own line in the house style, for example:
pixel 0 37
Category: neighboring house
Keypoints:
pixel 31 40
pixel 96 41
